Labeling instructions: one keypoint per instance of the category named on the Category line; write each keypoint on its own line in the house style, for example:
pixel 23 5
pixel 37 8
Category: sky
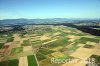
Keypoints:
pixel 14 9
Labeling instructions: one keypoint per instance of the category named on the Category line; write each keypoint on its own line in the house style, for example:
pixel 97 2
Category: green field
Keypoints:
pixel 32 60
pixel 36 42
pixel 17 50
pixel 89 39
pixel 83 40
pixel 25 43
pixel 10 39
pixel 45 51
pixel 1 45
pixel 9 63
pixel 40 56
pixel 73 48
pixel 63 41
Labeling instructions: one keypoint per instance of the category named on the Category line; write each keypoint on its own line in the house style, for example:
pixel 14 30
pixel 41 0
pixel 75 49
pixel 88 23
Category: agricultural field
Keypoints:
pixel 38 44
pixel 13 62
pixel 16 50
pixel 32 61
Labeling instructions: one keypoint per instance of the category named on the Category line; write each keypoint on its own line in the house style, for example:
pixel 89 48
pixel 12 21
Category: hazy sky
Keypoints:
pixel 13 9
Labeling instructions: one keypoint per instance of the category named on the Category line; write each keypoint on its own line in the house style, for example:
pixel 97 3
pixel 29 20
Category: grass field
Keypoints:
pixel 25 43
pixel 89 39
pixel 79 34
pixel 1 45
pixel 73 48
pixel 17 50
pixel 36 42
pixel 9 63
pixel 10 39
pixel 40 56
pixel 83 40
pixel 63 41
pixel 32 60
pixel 45 51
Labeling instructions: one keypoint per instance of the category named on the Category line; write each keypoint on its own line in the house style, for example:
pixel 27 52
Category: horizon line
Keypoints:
pixel 47 18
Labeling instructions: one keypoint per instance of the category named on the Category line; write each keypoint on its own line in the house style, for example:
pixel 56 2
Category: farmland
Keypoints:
pixel 38 44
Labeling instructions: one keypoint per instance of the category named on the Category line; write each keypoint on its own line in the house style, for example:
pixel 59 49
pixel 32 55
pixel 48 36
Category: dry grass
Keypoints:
pixel 44 37
pixel 57 48
pixel 23 61
pixel 82 53
pixel 57 54
pixel 27 48
pixel 72 37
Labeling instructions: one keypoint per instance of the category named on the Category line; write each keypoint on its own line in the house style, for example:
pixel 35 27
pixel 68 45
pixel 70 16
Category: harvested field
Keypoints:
pixel 27 48
pixel 23 61
pixel 57 48
pixel 82 53
pixel 57 54
pixel 44 38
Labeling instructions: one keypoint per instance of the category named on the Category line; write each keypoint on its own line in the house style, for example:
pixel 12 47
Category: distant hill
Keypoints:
pixel 45 21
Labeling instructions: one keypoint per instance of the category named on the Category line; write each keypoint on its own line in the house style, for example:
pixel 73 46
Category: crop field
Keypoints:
pixel 13 62
pixel 47 42
pixel 32 61
pixel 25 43
pixel 1 45
pixel 17 50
